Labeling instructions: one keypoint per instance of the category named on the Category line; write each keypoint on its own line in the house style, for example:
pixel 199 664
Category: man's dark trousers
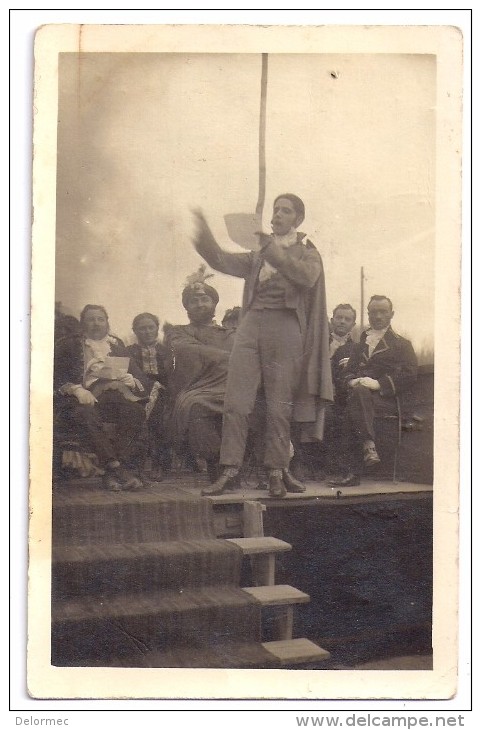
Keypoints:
pixel 111 407
pixel 363 406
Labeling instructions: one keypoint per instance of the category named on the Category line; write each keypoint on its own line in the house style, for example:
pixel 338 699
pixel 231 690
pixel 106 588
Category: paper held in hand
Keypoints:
pixel 242 228
pixel 114 368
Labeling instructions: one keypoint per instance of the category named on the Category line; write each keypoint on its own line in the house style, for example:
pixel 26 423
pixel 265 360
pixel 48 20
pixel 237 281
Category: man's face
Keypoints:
pixel 284 217
pixel 146 330
pixel 380 314
pixel 200 308
pixel 342 321
pixel 95 324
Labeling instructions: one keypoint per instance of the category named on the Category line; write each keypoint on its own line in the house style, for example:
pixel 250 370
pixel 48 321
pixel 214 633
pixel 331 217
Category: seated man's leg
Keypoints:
pixel 205 428
pixel 88 419
pixel 159 446
pixel 331 452
pixel 349 456
pixel 128 417
pixel 363 406
pixel 360 412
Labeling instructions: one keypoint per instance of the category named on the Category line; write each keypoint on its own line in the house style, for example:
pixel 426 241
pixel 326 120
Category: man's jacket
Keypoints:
pixel 393 363
pixel 69 361
pixel 301 266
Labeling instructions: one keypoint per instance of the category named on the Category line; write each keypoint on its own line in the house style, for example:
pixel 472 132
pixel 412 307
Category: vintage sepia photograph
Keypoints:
pixel 245 280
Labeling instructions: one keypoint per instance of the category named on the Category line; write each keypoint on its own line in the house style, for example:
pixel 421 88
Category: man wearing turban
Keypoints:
pixel 200 355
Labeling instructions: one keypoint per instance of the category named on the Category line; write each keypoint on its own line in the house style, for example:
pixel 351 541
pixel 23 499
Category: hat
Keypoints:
pixel 195 284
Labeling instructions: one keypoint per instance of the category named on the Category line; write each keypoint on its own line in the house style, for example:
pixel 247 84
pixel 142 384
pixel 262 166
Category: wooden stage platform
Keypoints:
pixel 229 508
pixel 363 554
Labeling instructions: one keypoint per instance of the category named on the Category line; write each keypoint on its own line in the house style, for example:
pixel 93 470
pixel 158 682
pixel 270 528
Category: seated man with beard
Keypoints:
pixel 200 356
pixel 95 382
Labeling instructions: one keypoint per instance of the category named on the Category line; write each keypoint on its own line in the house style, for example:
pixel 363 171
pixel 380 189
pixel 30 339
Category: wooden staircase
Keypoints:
pixel 142 603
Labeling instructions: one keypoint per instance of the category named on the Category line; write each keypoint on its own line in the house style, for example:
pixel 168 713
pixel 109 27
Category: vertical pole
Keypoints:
pixel 262 138
pixel 362 298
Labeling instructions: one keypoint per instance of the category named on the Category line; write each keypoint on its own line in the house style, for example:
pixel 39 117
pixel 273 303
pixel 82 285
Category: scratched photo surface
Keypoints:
pixel 328 582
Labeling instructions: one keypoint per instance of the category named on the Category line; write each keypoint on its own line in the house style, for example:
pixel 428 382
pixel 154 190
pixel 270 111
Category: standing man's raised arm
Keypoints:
pixel 235 264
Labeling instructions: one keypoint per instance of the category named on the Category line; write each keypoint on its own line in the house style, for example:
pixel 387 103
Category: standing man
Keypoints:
pixel 377 374
pixel 282 342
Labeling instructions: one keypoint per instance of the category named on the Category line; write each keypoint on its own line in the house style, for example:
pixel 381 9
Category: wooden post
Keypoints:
pixel 262 138
pixel 253 523
pixel 285 623
pixel 263 566
pixel 362 298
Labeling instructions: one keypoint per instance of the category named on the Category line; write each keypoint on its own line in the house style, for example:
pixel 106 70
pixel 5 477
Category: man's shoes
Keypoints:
pixel 127 479
pixel 277 488
pixel 225 483
pixel 111 483
pixel 262 479
pixel 370 455
pixel 214 470
pixel 292 484
pixel 350 480
pixel 156 475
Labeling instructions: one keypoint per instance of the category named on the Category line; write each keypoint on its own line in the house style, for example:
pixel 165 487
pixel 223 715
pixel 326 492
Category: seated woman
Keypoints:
pixel 153 359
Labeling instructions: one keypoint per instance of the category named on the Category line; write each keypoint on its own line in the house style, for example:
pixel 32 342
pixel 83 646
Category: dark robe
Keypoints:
pixel 200 358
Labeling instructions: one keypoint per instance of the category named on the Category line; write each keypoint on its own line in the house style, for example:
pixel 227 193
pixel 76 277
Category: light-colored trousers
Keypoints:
pixel 267 349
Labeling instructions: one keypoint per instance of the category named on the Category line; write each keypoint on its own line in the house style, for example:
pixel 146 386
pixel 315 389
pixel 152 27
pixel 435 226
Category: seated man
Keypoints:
pixel 231 318
pixel 341 347
pixel 95 382
pixel 312 459
pixel 200 355
pixel 376 375
pixel 153 358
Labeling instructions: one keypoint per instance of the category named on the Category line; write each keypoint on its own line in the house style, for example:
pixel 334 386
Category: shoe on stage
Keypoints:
pixel 225 483
pixel 129 481
pixel 277 488
pixel 350 480
pixel 111 482
pixel 292 484
pixel 262 479
pixel 371 457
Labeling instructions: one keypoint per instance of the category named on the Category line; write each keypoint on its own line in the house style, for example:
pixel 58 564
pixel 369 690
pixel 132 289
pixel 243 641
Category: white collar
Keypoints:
pixel 376 334
pixel 340 338
pixel 286 240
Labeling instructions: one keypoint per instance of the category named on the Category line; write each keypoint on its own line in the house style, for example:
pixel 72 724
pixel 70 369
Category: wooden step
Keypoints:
pixel 296 651
pixel 262 552
pixel 280 595
pixel 89 570
pixel 283 598
pixel 101 627
pixel 260 545
pixel 240 655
